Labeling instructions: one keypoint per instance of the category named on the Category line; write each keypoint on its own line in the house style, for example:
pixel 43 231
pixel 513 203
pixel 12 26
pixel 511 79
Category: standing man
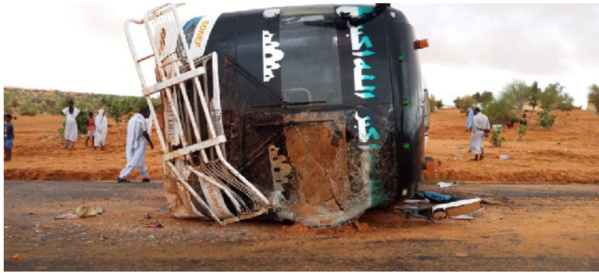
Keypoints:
pixel 470 119
pixel 480 129
pixel 101 130
pixel 70 129
pixel 137 136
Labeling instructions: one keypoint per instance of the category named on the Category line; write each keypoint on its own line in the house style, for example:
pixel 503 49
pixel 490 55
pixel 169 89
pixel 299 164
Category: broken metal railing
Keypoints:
pixel 177 73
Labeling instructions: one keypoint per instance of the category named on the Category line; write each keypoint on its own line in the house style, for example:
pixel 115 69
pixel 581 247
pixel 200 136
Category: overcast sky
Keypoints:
pixel 473 47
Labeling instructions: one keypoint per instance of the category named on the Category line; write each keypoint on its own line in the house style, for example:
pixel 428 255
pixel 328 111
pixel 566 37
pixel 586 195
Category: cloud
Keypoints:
pixel 543 39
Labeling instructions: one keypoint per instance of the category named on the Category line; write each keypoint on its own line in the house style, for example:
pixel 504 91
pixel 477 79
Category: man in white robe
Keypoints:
pixel 137 136
pixel 101 130
pixel 480 127
pixel 70 128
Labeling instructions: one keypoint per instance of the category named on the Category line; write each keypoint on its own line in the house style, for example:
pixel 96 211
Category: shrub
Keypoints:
pixel 521 131
pixel 28 110
pixel 496 139
pixel 499 111
pixel 546 120
pixel 566 102
pixel 439 104
pixel 463 103
pixel 431 103
pixel 517 93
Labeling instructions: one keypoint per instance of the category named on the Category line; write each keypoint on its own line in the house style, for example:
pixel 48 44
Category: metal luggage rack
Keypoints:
pixel 193 156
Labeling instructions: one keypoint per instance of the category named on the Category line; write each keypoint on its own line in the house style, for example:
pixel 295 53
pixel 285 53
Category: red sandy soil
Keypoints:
pixel 569 152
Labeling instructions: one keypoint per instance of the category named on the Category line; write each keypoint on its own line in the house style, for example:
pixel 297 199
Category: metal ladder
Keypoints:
pixel 204 158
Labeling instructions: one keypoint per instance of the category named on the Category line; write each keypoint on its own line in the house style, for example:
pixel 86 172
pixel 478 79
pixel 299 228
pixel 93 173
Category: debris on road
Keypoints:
pixel 433 206
pixel 149 221
pixel 80 212
pixel 446 184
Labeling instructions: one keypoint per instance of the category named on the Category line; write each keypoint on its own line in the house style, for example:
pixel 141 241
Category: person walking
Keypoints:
pixel 470 119
pixel 480 129
pixel 137 137
pixel 70 129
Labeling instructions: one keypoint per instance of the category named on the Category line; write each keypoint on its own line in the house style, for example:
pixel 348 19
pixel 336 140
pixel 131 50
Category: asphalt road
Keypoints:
pixel 545 227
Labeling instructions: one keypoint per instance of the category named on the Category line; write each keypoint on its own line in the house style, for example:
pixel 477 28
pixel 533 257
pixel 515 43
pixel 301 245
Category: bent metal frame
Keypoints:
pixel 216 178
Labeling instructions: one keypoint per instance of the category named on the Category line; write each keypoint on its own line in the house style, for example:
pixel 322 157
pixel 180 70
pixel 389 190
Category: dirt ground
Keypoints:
pixel 535 227
pixel 39 154
pixel 569 152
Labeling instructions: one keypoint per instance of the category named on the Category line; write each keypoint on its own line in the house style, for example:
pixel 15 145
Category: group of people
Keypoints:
pixel 478 124
pixel 97 128
pixel 138 136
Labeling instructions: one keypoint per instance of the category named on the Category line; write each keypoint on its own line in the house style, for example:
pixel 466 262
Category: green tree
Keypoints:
pixel 534 95
pixel 550 98
pixel 119 109
pixel 593 96
pixel 517 93
pixel 499 111
pixel 486 97
pixel 566 102
pixel 431 103
pixel 464 102
pixel 439 104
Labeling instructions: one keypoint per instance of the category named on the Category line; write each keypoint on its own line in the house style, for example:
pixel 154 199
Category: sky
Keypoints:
pixel 473 47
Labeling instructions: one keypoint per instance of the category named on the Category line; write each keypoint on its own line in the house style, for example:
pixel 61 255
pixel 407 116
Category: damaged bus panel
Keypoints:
pixel 310 114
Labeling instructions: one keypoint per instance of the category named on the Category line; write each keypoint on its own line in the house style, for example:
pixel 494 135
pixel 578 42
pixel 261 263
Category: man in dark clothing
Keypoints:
pixel 523 120
pixel 9 135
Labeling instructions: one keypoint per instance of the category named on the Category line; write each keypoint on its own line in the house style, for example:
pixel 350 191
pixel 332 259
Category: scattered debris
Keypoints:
pixel 436 197
pixel 149 221
pixel 16 257
pixel 504 157
pixel 463 217
pixel 80 212
pixel 446 184
pixel 444 207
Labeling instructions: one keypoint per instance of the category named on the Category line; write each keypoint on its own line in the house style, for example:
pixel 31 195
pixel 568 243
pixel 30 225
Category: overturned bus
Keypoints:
pixel 311 114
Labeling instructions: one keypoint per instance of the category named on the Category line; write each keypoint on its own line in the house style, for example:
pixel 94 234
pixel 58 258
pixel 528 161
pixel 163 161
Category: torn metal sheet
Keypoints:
pixel 320 108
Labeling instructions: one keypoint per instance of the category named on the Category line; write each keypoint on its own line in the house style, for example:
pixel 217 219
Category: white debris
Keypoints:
pixel 446 184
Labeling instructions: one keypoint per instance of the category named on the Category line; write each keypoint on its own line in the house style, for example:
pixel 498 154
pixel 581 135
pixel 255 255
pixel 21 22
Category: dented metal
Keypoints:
pixel 309 102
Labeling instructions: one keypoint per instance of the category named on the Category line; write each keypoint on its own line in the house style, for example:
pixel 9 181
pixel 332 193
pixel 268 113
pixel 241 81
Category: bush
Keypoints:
pixel 431 103
pixel 517 93
pixel 439 104
pixel 499 111
pixel 521 131
pixel 546 120
pixel 566 102
pixel 28 110
pixel 463 103
pixel 496 139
